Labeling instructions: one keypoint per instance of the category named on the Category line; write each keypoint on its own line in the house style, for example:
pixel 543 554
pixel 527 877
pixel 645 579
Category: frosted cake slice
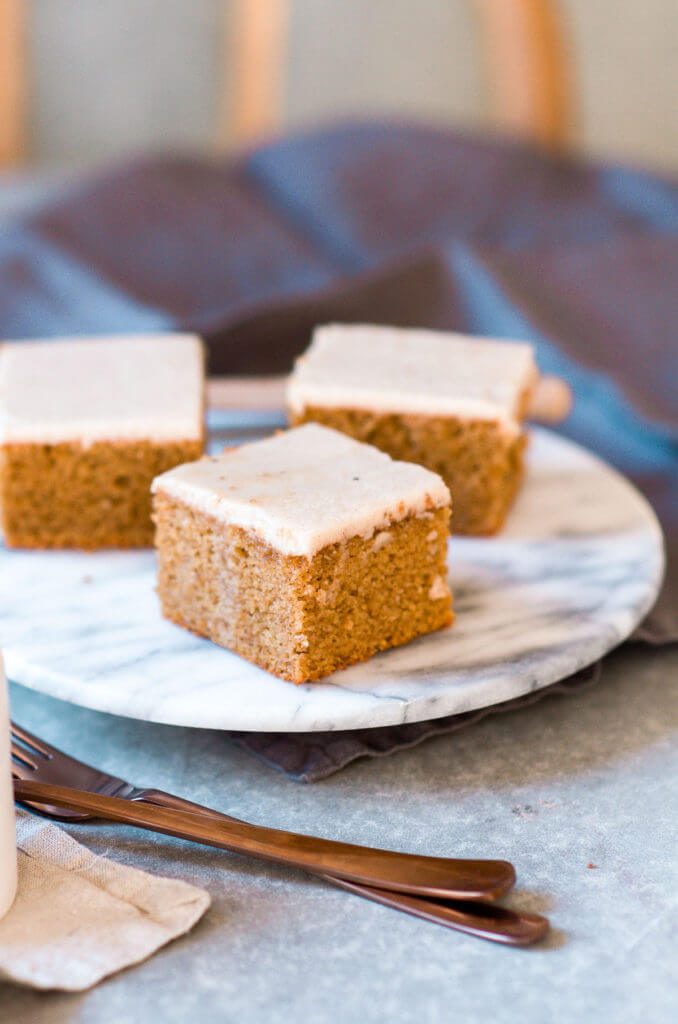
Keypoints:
pixel 452 403
pixel 303 553
pixel 85 426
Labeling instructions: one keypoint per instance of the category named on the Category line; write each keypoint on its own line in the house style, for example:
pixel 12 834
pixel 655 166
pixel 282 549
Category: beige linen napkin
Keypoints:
pixel 79 917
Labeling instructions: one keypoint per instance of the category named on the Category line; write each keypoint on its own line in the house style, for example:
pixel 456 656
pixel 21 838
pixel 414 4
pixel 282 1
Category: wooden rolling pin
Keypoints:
pixel 551 400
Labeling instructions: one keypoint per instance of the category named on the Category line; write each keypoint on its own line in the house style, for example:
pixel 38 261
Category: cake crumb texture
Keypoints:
pixel 85 426
pixel 301 617
pixel 69 496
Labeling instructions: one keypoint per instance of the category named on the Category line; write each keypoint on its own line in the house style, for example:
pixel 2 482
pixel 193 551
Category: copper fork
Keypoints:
pixel 402 881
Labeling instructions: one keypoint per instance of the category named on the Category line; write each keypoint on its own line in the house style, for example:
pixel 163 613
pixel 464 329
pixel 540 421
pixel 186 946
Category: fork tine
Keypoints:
pixel 22 757
pixel 33 758
pixel 36 760
pixel 31 741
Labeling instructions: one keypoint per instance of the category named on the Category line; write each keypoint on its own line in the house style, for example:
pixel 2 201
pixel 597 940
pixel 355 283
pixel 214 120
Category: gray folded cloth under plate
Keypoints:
pixel 309 757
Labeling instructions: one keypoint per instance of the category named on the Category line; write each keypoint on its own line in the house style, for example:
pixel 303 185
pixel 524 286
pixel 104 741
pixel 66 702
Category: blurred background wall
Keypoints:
pixel 107 77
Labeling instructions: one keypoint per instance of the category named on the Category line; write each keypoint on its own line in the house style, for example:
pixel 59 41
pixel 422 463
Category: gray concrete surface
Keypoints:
pixel 590 779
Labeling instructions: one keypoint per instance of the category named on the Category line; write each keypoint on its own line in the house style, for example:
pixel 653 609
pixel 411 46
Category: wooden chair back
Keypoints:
pixel 523 43
pixel 525 52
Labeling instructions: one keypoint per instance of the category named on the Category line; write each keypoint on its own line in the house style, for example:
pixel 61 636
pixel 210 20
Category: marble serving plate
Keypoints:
pixel 577 567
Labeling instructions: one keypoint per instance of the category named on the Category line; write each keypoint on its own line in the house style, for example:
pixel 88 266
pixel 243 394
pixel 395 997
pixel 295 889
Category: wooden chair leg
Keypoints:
pixel 527 63
pixel 524 42
pixel 257 30
pixel 526 57
pixel 12 81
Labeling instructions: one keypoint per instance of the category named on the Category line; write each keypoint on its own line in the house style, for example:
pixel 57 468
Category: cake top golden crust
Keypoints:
pixel 306 488
pixel 402 370
pixel 127 387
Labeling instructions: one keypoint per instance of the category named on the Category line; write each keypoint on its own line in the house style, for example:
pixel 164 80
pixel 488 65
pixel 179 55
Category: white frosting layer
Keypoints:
pixel 391 369
pixel 306 488
pixel 128 387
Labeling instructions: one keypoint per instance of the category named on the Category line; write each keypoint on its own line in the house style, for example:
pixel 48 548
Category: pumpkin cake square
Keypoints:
pixel 452 403
pixel 85 426
pixel 304 552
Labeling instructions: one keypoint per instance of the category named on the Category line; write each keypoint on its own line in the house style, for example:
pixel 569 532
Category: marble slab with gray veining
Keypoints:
pixel 577 567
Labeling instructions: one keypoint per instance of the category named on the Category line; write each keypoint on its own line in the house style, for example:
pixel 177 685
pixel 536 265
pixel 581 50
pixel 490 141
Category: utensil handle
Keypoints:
pixel 485 921
pixel 551 401
pixel 382 869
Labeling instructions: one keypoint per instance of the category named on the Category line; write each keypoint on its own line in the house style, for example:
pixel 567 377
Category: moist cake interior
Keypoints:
pixel 304 552
pixel 85 426
pixel 297 617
